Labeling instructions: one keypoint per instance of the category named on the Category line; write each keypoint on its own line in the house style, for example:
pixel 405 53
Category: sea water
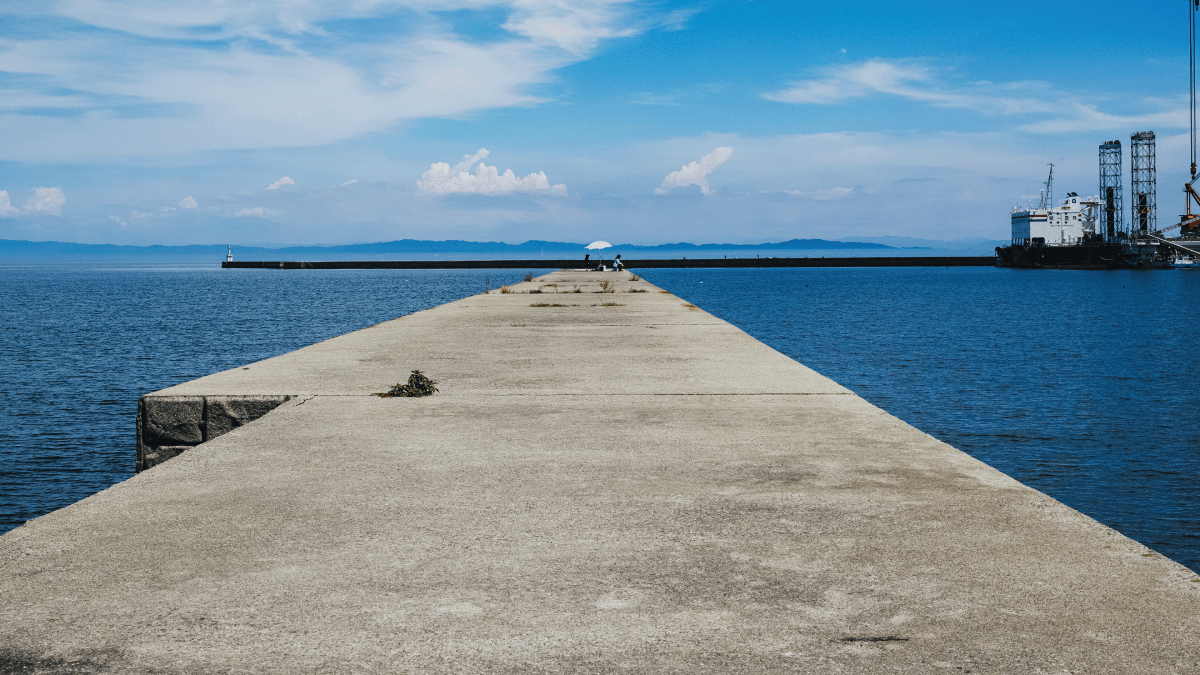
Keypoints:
pixel 1080 384
pixel 80 345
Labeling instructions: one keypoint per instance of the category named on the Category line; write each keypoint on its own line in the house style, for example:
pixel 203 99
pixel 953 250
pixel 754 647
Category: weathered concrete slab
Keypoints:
pixel 522 523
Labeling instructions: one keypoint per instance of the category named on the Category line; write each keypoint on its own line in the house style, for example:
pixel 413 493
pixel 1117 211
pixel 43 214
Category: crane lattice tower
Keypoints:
pixel 1142 181
pixel 1112 212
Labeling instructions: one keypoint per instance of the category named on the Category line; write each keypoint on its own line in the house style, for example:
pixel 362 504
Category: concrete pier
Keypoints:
pixel 604 482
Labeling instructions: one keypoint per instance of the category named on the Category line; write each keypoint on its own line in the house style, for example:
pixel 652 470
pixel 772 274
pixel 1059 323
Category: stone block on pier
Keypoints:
pixel 223 414
pixel 172 420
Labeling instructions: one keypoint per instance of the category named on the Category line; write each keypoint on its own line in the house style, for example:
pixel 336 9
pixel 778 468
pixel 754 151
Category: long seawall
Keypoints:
pixel 649 263
pixel 604 481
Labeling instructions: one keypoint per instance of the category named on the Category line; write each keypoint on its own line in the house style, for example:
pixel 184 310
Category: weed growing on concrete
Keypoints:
pixel 637 290
pixel 606 286
pixel 417 385
pixel 667 292
pixel 529 276
pixel 690 306
pixel 537 291
pixel 611 304
pixel 548 304
pixel 576 290
pixel 505 290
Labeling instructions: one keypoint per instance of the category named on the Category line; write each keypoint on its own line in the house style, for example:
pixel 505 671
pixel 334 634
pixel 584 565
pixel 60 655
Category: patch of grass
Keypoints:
pixel 417 385
pixel 529 276
pixel 637 290
pixel 548 304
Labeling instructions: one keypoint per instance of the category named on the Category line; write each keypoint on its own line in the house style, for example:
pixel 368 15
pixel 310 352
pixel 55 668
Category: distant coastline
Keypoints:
pixel 18 251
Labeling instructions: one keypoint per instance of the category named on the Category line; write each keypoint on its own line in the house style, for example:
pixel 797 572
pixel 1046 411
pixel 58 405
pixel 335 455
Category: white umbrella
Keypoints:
pixel 598 245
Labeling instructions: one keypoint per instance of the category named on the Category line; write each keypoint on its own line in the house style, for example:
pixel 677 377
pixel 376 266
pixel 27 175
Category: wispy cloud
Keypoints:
pixel 833 193
pixel 280 74
pixel 695 173
pixel 650 98
pixel 188 202
pixel 47 200
pixel 280 183
pixel 487 180
pixel 917 81
pixel 255 212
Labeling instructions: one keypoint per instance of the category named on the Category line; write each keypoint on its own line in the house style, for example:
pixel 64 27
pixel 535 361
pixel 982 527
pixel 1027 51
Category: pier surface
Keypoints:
pixel 604 482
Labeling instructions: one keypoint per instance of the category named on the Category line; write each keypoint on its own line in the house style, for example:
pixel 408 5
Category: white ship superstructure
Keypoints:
pixel 1063 225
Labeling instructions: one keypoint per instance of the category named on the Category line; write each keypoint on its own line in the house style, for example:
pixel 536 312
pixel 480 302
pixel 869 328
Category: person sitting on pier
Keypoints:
pixel 617 264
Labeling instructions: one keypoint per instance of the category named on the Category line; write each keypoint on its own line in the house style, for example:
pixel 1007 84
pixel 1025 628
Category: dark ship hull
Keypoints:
pixel 1087 256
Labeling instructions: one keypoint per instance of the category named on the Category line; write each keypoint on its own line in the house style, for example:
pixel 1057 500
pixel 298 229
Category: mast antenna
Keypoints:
pixel 1048 193
pixel 1193 6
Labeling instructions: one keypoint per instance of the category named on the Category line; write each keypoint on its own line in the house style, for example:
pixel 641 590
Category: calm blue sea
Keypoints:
pixel 1080 384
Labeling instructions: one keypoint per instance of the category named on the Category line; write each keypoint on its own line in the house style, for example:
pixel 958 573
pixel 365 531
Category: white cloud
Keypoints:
pixel 487 180
pixel 855 81
pixel 6 207
pixel 916 81
pixel 142 214
pixel 118 221
pixel 833 193
pixel 187 202
pixel 695 173
pixel 280 183
pixel 48 200
pixel 255 212
pixel 279 73
pixel 350 182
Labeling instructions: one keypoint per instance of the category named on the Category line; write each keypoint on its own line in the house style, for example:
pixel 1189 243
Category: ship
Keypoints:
pixel 1063 236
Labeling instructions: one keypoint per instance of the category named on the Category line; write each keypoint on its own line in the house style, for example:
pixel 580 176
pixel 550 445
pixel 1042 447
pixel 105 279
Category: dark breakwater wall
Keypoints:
pixel 893 261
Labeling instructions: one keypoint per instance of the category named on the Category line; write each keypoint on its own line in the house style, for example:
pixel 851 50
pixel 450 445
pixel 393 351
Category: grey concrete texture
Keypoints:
pixel 499 344
pixel 618 529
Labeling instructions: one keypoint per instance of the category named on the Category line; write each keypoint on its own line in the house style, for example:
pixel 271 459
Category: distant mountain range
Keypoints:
pixel 17 250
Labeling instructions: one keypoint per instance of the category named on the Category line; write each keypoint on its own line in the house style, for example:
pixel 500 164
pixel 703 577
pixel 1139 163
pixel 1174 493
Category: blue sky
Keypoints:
pixel 722 121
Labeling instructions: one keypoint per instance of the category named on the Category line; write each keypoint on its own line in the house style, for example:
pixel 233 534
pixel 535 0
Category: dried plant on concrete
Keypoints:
pixel 417 385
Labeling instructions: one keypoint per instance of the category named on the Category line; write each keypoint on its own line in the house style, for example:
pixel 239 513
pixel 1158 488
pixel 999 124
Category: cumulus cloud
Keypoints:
pixel 254 212
pixel 487 180
pixel 48 200
pixel 6 207
pixel 280 183
pixel 187 202
pixel 695 173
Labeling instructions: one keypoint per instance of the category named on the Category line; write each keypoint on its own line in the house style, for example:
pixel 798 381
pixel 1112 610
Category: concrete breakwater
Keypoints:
pixel 683 263
pixel 605 481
